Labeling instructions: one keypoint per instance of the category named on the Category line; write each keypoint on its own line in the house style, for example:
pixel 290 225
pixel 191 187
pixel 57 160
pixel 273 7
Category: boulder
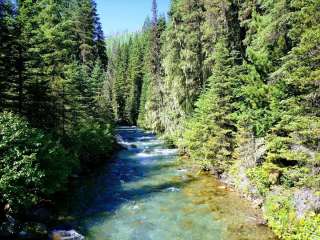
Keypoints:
pixel 306 200
pixel 66 235
pixel 274 176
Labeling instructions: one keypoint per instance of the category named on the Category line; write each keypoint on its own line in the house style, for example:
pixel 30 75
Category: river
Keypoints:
pixel 145 194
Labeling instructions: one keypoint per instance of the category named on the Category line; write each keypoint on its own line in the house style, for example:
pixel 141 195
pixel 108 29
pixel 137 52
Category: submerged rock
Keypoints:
pixel 172 189
pixel 66 235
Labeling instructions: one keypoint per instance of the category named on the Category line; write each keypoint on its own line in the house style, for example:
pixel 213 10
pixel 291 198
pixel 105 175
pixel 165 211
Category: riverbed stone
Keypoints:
pixel 66 235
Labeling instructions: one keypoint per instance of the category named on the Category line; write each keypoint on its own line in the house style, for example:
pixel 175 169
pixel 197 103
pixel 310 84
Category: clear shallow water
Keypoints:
pixel 145 195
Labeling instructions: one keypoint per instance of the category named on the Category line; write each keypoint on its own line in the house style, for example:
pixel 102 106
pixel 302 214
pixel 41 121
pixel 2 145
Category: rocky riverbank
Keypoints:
pixel 290 209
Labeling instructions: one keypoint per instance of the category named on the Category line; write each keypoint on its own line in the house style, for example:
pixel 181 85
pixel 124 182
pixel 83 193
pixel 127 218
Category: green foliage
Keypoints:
pixel 57 164
pixel 119 88
pixel 264 176
pixel 21 176
pixel 134 79
pixel 52 72
pixel 209 133
pixel 31 163
pixel 153 88
pixel 282 218
pixel 9 50
pixel 93 142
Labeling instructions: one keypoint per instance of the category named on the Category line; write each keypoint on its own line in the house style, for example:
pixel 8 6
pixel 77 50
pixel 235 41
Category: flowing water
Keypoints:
pixel 144 194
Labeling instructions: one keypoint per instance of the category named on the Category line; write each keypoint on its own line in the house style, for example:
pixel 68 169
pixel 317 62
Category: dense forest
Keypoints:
pixel 54 121
pixel 235 85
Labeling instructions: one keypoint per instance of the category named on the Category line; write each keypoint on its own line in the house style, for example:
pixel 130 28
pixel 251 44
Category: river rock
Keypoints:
pixel 66 235
pixel 172 189
pixel 306 200
pixel 274 176
pixel 8 228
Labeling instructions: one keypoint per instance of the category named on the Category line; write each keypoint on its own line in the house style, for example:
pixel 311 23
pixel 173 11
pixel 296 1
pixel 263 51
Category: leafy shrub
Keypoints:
pixel 282 218
pixel 31 163
pixel 57 163
pixel 259 176
pixel 93 141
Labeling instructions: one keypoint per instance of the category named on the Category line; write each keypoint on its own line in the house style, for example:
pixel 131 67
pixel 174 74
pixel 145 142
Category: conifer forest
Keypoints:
pixel 232 85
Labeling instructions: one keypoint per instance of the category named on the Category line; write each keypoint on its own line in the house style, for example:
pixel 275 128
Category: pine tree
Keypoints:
pixel 36 87
pixel 86 30
pixel 154 88
pixel 184 61
pixel 99 39
pixel 298 82
pixel 209 134
pixel 7 53
pixel 119 89
pixel 135 77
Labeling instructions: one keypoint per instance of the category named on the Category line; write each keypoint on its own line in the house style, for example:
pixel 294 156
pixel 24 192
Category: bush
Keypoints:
pixel 281 215
pixel 31 163
pixel 57 163
pixel 92 141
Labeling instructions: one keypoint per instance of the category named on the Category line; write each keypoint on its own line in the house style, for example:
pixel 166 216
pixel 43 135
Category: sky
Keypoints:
pixel 126 15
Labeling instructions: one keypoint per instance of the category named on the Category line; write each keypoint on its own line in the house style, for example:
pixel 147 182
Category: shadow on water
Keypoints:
pixel 104 193
pixel 144 194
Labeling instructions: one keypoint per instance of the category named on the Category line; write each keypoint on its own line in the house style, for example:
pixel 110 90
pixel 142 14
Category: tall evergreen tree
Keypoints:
pixel 85 30
pixel 135 77
pixel 119 89
pixel 37 96
pixel 154 88
pixel 99 39
pixel 8 44
pixel 183 61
